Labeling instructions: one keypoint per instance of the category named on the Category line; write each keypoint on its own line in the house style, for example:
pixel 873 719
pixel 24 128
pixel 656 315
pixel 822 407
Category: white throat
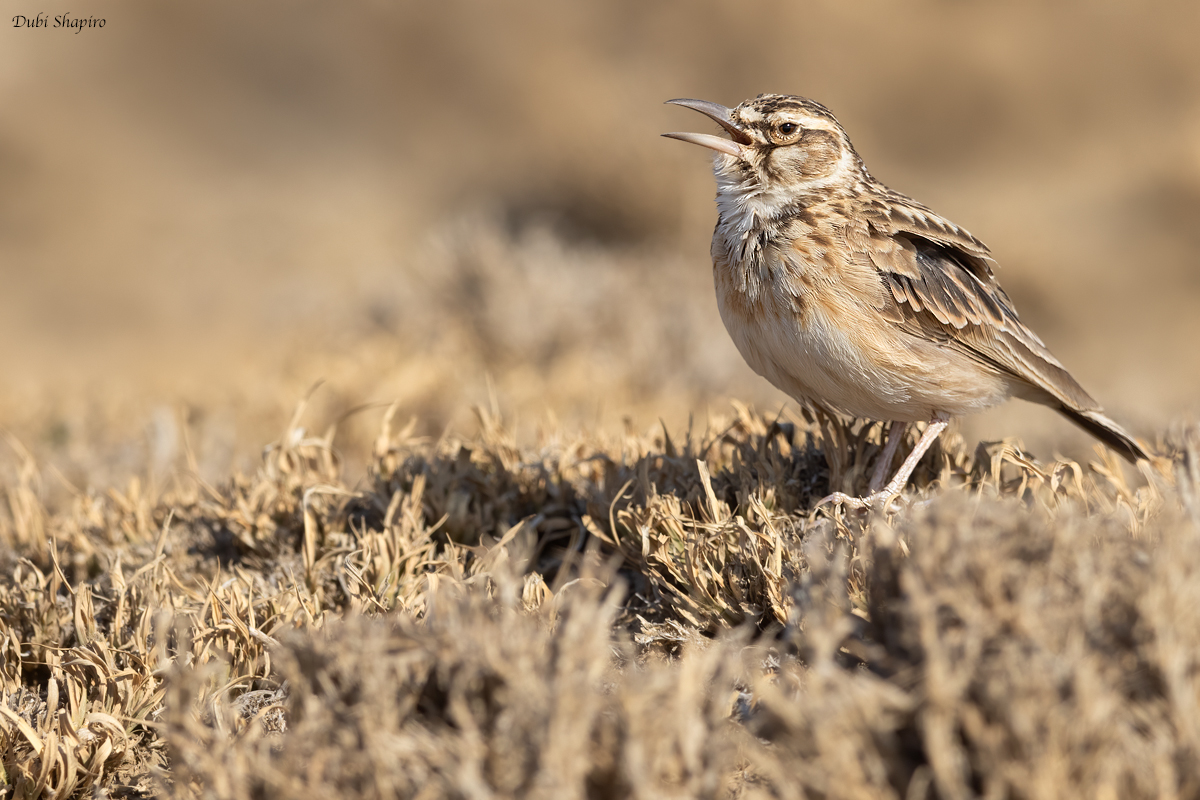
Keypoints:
pixel 747 206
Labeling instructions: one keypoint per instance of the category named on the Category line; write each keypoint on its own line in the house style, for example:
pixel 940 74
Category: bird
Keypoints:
pixel 855 299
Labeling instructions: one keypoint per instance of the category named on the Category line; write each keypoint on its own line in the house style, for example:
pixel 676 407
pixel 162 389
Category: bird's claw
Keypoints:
pixel 880 500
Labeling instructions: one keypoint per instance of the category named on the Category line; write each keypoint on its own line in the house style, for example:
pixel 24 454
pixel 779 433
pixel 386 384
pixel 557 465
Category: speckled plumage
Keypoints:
pixel 857 299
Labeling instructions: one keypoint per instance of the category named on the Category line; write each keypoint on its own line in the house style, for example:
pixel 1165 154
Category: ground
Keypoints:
pixel 609 616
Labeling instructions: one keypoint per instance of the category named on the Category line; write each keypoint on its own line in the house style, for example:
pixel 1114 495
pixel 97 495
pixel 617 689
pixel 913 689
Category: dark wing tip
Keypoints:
pixel 1108 432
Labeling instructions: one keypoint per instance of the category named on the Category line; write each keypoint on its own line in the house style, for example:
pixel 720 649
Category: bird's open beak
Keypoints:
pixel 719 114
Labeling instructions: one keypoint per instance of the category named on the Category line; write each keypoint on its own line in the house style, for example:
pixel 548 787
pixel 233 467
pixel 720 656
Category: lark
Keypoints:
pixel 857 300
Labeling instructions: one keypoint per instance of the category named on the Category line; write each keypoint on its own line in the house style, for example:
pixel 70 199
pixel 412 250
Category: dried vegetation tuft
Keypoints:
pixel 631 616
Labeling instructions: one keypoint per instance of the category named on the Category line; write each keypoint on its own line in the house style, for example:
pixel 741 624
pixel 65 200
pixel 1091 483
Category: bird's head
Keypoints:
pixel 781 148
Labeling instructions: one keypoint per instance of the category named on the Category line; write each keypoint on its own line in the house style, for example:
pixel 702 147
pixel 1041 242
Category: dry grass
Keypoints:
pixel 608 617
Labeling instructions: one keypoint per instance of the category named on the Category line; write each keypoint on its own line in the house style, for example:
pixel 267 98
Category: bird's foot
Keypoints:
pixel 880 500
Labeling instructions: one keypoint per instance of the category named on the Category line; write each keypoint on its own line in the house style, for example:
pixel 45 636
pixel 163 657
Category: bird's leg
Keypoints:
pixel 896 484
pixel 895 435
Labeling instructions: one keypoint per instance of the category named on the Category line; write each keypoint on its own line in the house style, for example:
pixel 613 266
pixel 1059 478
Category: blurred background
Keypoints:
pixel 208 207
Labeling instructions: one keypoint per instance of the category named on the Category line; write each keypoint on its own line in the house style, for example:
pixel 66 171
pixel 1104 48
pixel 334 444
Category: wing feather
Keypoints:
pixel 942 278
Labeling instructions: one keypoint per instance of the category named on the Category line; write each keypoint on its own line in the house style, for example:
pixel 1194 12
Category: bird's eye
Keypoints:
pixel 787 128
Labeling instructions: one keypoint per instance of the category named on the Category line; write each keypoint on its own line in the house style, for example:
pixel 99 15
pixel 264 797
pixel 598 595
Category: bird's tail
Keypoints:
pixel 1108 432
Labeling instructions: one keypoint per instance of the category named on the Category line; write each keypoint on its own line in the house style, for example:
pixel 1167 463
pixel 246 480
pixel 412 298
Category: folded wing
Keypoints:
pixel 942 282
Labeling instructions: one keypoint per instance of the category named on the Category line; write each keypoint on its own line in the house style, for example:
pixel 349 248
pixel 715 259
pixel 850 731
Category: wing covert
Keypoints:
pixel 941 279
